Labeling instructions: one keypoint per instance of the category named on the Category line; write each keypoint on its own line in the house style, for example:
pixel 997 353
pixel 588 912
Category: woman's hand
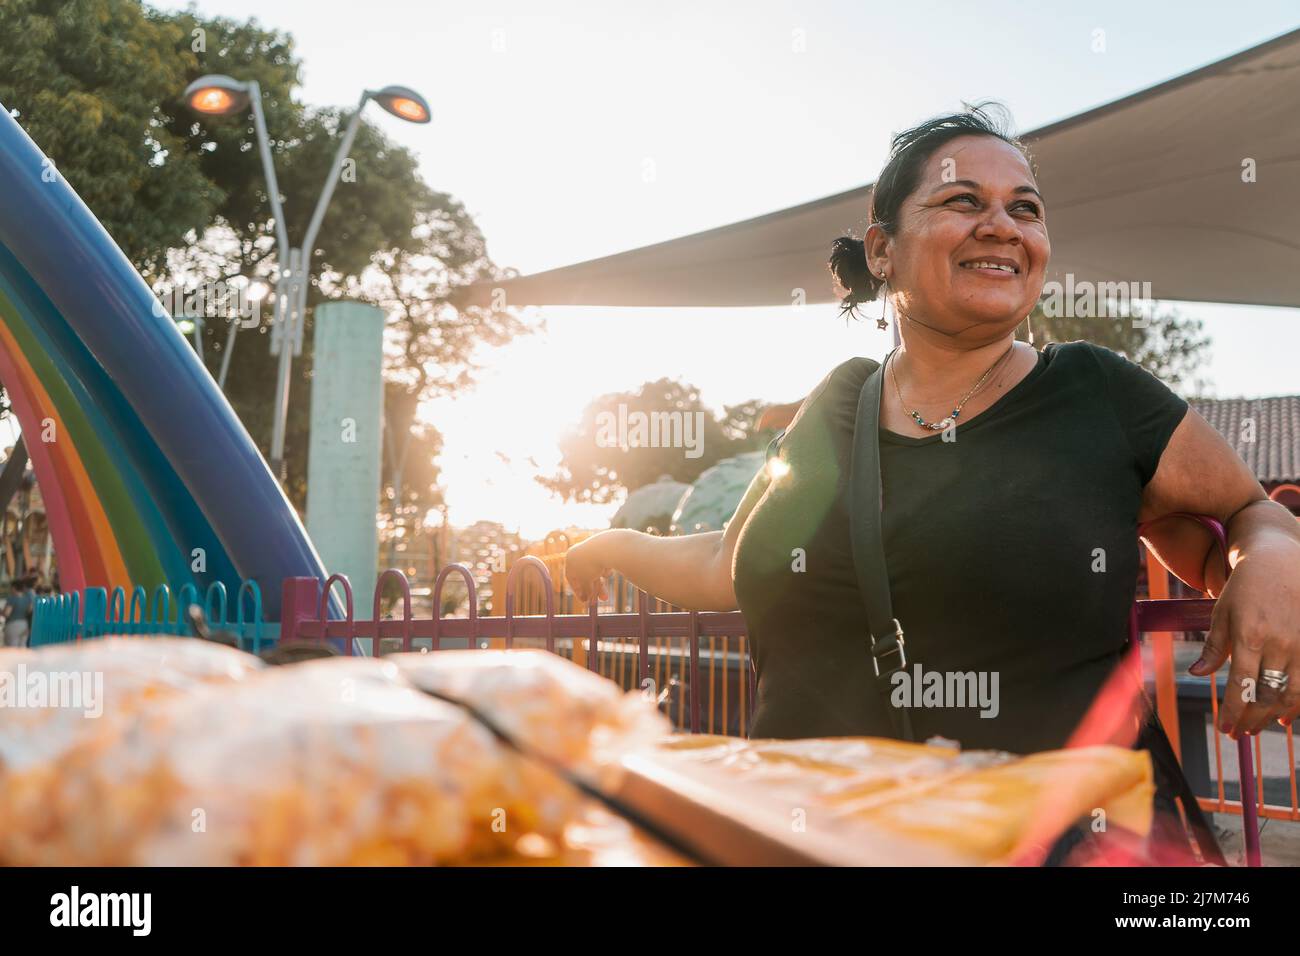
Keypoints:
pixel 1257 622
pixel 586 566
pixel 1257 618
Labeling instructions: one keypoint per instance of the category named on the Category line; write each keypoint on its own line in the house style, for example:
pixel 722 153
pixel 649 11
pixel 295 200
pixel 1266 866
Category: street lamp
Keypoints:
pixel 403 103
pixel 217 95
pixel 193 327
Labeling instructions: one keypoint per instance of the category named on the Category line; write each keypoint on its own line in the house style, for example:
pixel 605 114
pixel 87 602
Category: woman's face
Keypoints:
pixel 971 249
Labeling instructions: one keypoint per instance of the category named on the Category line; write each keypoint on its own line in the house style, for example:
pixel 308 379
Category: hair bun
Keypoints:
pixel 848 265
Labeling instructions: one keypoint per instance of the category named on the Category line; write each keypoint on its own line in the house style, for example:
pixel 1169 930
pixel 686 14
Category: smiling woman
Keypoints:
pixel 1013 482
pixel 965 166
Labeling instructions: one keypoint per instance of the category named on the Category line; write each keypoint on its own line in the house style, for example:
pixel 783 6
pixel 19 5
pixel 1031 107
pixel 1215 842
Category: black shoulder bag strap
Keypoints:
pixel 885 634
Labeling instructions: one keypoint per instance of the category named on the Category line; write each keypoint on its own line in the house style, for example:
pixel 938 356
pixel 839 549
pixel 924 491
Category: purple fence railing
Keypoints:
pixel 695 663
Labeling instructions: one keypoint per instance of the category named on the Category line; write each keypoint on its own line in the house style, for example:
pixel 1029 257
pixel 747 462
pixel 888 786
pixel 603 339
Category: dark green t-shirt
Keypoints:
pixel 1012 551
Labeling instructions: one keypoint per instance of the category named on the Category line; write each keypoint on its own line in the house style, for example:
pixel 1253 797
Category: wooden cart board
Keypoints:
pixel 731 824
pixel 865 802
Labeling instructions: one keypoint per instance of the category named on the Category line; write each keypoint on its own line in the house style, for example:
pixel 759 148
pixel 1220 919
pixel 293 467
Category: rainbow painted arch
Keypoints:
pixel 148 476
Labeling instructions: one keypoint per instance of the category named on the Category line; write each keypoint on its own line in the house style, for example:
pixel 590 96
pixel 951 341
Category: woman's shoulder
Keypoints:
pixel 1085 357
pixel 841 382
pixel 1077 354
pixel 850 373
pixel 1085 353
pixel 833 399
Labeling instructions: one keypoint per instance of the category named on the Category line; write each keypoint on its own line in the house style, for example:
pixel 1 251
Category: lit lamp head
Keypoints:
pixel 217 95
pixel 404 103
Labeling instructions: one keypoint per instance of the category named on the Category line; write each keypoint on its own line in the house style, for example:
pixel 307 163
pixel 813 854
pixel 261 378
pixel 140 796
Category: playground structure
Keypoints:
pixel 148 476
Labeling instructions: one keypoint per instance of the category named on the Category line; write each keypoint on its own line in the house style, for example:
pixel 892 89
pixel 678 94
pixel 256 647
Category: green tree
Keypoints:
pixel 1166 343
pixel 98 83
pixel 739 424
pixel 410 475
pixel 593 468
pixel 431 344
pixel 387 238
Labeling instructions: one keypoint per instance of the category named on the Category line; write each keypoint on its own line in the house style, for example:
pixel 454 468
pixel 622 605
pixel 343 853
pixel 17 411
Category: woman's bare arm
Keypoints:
pixel 692 571
pixel 1256 620
pixel 1201 474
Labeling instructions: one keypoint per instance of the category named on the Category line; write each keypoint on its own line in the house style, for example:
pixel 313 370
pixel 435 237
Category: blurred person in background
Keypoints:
pixel 18 612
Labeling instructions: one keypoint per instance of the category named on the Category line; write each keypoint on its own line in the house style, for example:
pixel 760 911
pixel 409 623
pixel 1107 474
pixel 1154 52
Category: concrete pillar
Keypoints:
pixel 347 407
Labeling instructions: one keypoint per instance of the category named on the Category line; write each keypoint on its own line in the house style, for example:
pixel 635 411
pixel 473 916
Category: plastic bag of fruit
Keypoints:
pixel 546 703
pixel 57 695
pixel 81 696
pixel 329 762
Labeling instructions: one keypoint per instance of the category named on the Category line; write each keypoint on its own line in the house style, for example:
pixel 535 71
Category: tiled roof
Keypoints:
pixel 1274 454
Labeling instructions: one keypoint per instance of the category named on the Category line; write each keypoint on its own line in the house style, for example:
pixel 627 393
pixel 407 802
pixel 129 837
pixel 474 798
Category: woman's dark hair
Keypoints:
pixel 908 154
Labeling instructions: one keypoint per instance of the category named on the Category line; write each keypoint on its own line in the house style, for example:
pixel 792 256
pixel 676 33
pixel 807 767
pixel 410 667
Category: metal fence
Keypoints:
pixel 695 664
pixel 95 612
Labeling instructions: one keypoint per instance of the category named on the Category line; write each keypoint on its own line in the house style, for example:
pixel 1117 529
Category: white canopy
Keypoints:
pixel 1148 188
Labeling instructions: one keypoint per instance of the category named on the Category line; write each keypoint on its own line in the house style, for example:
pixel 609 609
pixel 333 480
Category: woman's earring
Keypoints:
pixel 880 322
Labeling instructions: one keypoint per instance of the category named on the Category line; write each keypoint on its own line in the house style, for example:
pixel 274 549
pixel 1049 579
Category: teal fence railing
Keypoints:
pixel 94 612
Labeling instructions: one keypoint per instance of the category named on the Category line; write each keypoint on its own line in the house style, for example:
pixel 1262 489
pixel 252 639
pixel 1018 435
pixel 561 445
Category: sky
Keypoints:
pixel 546 114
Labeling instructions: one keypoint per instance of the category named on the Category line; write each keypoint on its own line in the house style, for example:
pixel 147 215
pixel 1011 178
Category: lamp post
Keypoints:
pixel 216 95
pixel 193 326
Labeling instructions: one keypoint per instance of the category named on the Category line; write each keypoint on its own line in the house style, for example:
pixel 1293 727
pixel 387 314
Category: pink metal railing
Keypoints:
pixel 1184 615
pixel 696 662
pixel 657 651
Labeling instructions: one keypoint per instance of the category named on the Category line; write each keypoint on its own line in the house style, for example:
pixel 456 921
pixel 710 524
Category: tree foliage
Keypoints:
pixel 98 84
pixel 594 469
pixel 1169 345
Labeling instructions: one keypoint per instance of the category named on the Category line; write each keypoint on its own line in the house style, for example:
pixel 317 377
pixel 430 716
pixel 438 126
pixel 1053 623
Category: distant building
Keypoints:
pixel 1265 432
